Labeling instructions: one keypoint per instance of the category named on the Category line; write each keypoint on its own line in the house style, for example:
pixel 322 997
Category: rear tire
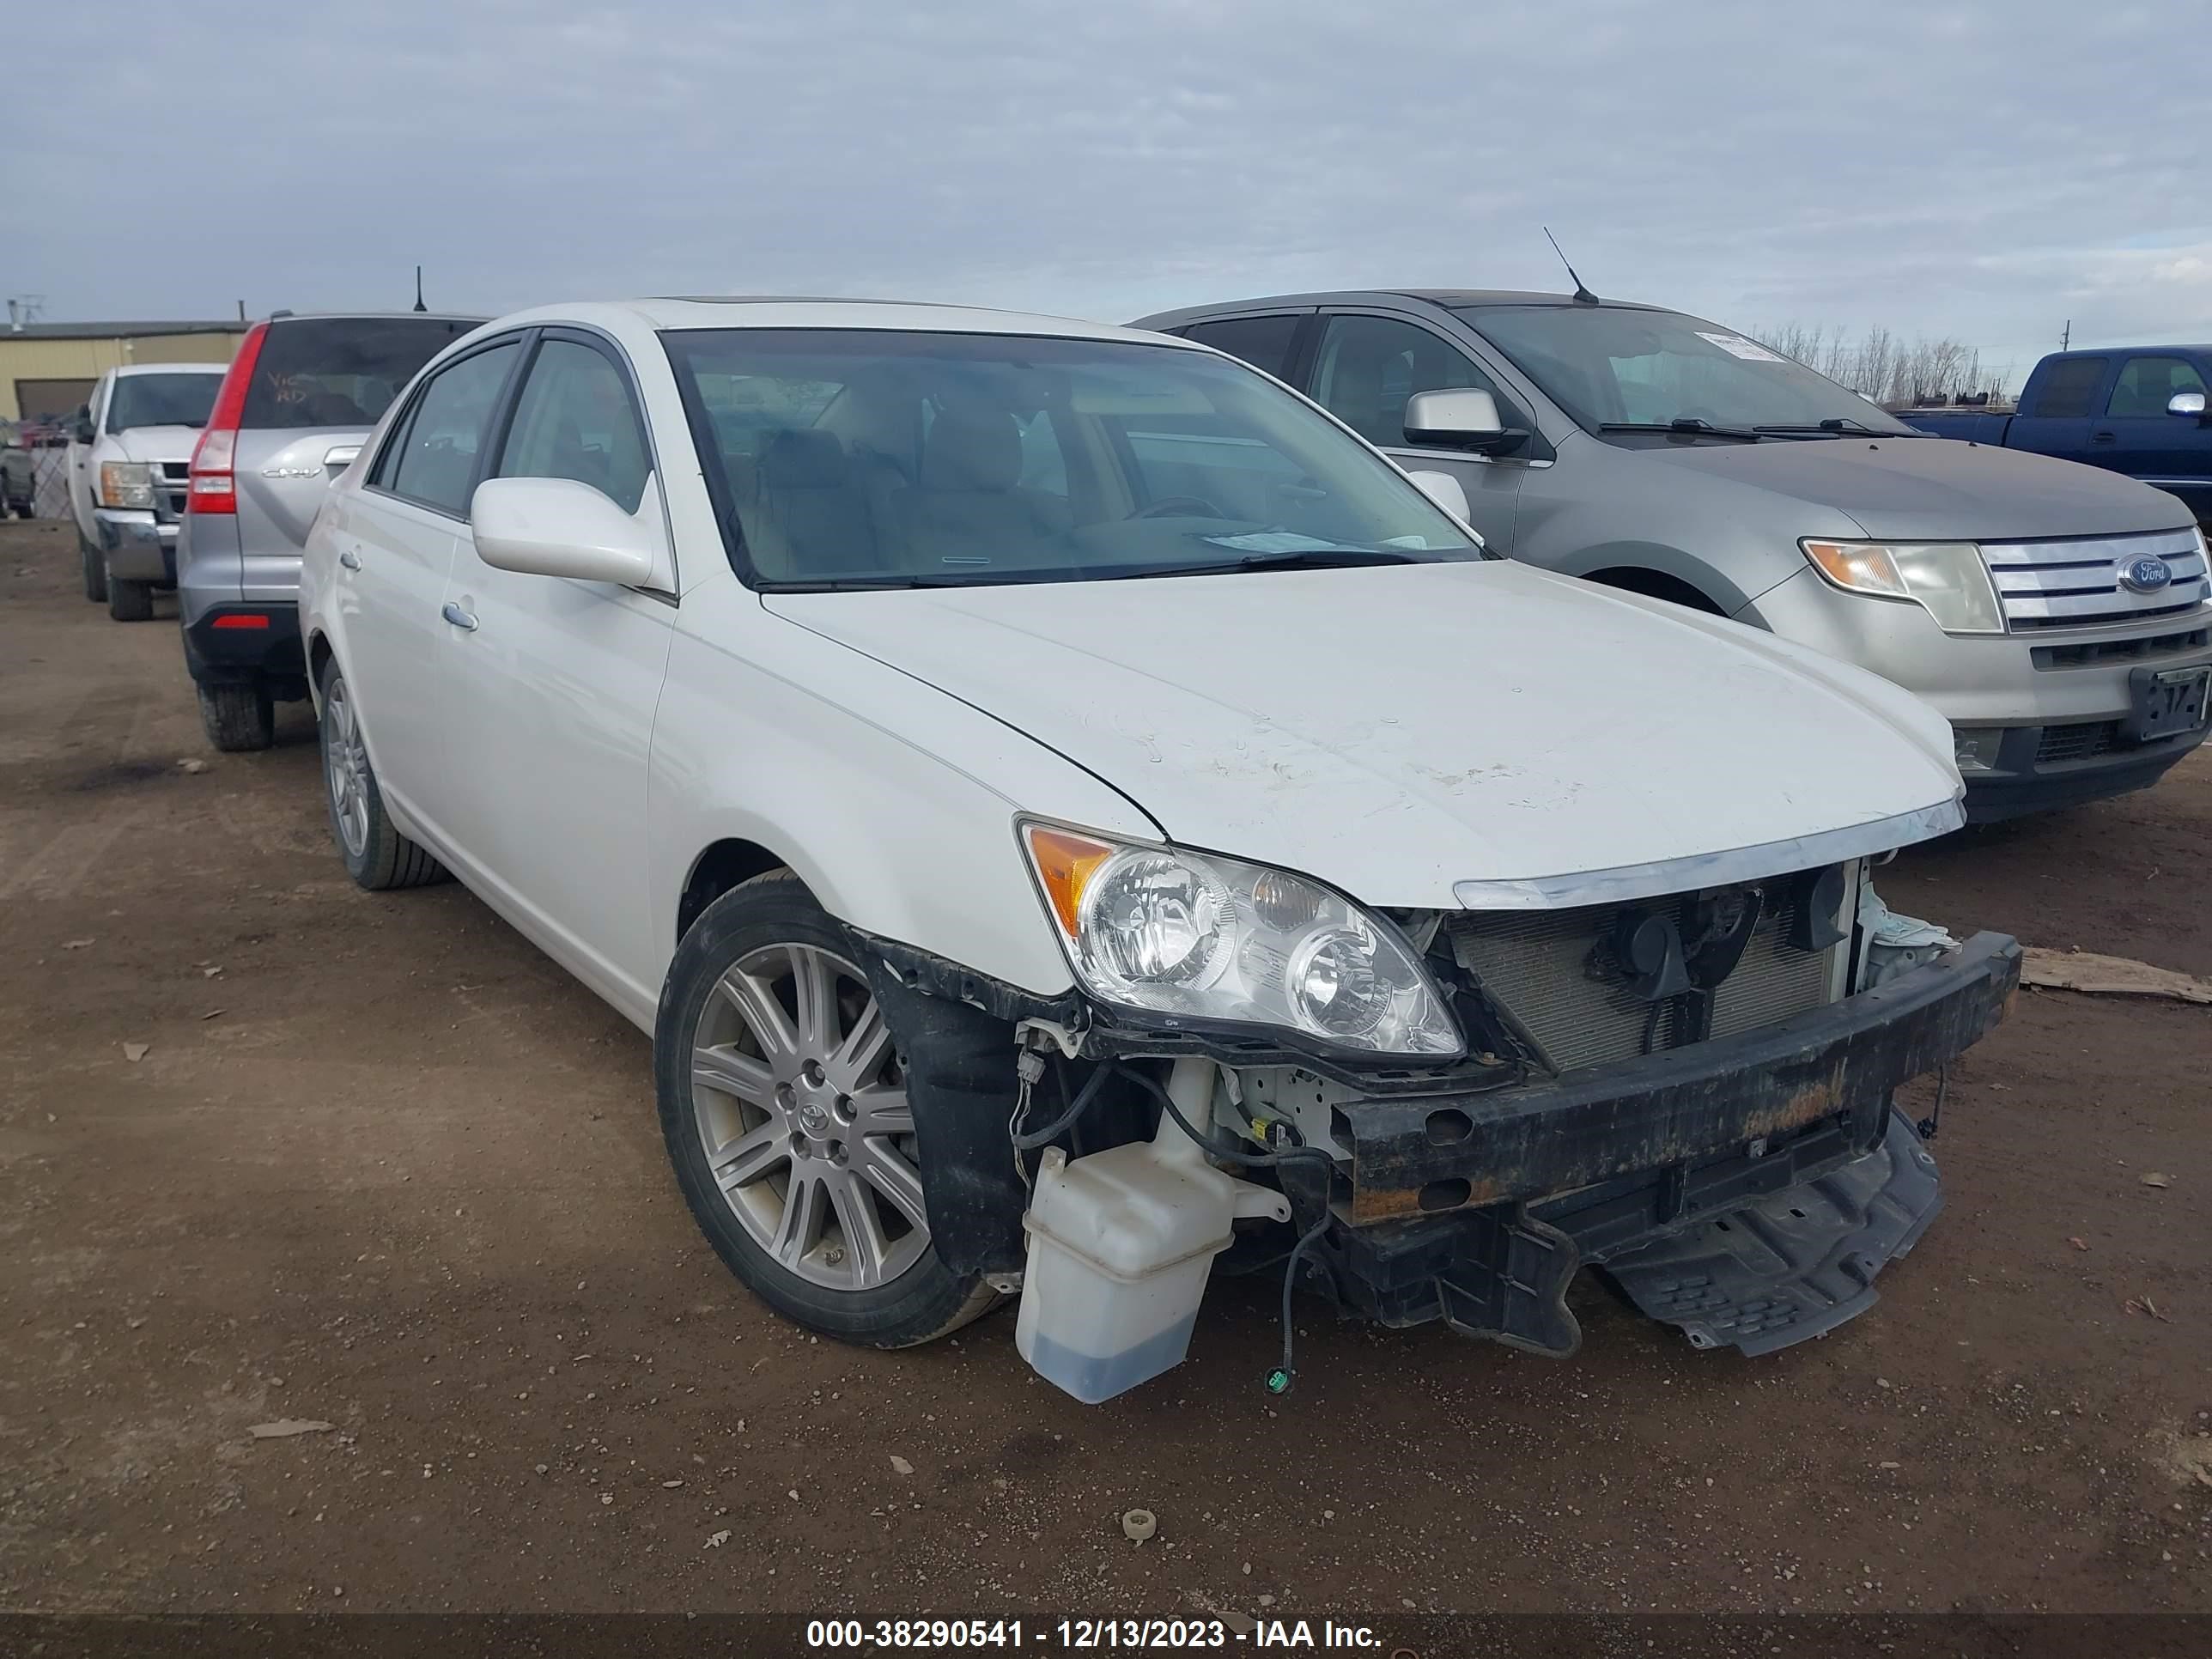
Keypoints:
pixel 238 718
pixel 95 569
pixel 810 1194
pixel 375 854
pixel 129 602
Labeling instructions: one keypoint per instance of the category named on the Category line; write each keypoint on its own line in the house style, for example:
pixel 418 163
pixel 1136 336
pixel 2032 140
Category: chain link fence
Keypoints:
pixel 50 494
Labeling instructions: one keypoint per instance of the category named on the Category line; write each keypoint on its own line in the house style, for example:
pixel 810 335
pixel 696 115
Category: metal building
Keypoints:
pixel 47 369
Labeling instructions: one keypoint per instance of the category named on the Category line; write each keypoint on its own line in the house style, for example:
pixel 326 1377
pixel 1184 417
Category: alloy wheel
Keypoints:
pixel 345 765
pixel 801 1107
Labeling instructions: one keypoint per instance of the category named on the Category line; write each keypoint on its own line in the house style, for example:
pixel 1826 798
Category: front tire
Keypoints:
pixel 95 569
pixel 128 602
pixel 376 855
pixel 783 1102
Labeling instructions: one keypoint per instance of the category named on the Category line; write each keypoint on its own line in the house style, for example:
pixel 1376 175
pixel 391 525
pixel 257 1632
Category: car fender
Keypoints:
pixel 1659 558
pixel 894 802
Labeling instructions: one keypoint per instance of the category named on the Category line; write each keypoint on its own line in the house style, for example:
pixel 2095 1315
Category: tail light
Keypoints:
pixel 214 487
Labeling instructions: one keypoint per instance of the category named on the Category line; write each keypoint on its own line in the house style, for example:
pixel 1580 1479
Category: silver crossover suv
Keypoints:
pixel 2054 614
pixel 301 396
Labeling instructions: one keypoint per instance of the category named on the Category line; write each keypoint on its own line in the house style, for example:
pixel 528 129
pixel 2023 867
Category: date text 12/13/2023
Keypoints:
pixel 1085 1635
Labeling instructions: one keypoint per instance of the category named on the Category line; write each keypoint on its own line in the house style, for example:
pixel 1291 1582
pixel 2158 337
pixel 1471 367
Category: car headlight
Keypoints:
pixel 1947 579
pixel 1204 938
pixel 127 483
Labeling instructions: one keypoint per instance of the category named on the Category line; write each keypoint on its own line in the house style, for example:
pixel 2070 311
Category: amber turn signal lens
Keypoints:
pixel 1863 567
pixel 1064 863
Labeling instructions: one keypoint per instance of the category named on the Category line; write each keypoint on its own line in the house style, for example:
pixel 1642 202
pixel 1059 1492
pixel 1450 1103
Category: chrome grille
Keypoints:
pixel 1545 969
pixel 2076 584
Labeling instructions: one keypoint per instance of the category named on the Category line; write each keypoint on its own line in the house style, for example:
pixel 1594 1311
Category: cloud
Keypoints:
pixel 1959 169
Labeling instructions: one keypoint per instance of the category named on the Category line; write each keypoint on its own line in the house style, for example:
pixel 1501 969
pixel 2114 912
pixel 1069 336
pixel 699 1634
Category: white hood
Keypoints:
pixel 156 443
pixel 1396 730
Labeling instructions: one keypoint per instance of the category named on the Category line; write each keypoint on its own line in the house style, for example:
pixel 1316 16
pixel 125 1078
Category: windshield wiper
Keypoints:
pixel 978 578
pixel 1838 425
pixel 1305 558
pixel 840 584
pixel 1688 425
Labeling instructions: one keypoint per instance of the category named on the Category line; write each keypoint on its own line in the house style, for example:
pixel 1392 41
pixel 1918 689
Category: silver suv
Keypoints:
pixel 2054 613
pixel 301 397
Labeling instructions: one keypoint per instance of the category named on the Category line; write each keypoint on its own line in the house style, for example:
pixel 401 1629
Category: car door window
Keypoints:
pixel 2145 385
pixel 437 455
pixel 2068 389
pixel 1369 367
pixel 576 418
pixel 395 446
pixel 1263 342
pixel 1205 460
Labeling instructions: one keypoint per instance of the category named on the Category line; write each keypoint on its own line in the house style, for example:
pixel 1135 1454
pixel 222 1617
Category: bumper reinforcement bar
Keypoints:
pixel 1748 1189
pixel 1420 1155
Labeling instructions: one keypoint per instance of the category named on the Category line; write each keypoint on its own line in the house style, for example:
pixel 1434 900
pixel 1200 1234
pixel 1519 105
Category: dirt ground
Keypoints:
pixel 383 1166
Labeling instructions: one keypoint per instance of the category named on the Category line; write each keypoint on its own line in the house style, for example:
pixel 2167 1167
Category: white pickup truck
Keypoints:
pixel 129 456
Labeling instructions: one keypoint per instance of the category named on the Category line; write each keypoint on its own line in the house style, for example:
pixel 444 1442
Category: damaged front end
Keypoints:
pixel 1748 1188
pixel 1693 1093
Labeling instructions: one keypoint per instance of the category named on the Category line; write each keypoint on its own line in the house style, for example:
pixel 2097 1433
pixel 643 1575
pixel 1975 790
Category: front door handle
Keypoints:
pixel 350 559
pixel 2101 438
pixel 459 619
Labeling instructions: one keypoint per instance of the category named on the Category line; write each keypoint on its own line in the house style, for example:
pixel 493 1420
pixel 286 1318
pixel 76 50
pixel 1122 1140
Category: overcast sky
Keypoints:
pixel 1980 171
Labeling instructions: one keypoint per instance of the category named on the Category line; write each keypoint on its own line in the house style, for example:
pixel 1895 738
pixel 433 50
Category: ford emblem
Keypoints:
pixel 2145 574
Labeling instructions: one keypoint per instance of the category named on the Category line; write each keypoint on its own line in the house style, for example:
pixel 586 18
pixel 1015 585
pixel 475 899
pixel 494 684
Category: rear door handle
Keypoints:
pixel 350 559
pixel 459 619
pixel 342 456
pixel 2101 438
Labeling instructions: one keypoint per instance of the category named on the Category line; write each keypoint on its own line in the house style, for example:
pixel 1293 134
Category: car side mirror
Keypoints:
pixel 2188 403
pixel 558 527
pixel 1445 490
pixel 82 431
pixel 1459 417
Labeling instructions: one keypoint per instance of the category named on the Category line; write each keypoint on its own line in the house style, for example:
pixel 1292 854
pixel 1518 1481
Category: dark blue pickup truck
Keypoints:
pixel 2137 409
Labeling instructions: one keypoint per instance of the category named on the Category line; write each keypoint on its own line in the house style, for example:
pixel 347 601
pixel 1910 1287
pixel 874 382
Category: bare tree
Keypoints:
pixel 1886 368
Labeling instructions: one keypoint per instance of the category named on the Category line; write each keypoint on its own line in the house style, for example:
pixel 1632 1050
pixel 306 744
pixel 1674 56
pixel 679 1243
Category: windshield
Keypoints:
pixel 162 400
pixel 878 459
pixel 340 371
pixel 1606 365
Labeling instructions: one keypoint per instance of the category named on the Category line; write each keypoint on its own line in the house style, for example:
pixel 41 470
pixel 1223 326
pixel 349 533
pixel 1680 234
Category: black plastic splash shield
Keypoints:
pixel 1795 1265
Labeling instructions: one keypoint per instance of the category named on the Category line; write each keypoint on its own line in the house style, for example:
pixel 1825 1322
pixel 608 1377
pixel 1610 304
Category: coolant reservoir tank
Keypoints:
pixel 1120 1246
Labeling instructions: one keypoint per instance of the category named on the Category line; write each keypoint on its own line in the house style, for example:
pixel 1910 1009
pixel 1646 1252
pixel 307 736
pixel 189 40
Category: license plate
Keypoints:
pixel 2168 701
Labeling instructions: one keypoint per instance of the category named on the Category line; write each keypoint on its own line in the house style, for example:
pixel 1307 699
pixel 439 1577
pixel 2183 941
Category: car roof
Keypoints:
pixel 793 311
pixel 1450 298
pixel 374 316
pixel 2132 351
pixel 125 371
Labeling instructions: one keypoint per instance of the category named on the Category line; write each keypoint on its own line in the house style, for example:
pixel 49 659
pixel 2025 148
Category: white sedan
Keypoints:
pixel 1070 815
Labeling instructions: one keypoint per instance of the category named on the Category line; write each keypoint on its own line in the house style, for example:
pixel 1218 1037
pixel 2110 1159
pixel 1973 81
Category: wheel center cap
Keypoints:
pixel 814 1119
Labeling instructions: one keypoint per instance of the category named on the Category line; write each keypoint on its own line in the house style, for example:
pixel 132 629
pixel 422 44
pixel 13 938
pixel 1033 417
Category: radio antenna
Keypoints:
pixel 419 306
pixel 1582 296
